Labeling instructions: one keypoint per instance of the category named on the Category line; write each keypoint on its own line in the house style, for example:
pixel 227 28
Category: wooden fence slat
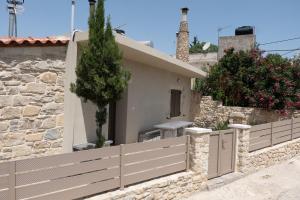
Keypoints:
pixel 281 128
pixel 147 155
pixel 147 165
pixel 151 145
pixel 4 195
pixel 282 123
pixel 45 162
pixel 261 145
pixel 296 135
pixel 4 182
pixel 296 130
pixel 260 133
pixel 157 172
pixel 84 191
pixel 260 139
pixel 12 180
pixel 296 125
pixel 53 173
pixel 260 127
pixel 296 120
pixel 4 168
pixel 66 182
pixel 281 139
pixel 282 134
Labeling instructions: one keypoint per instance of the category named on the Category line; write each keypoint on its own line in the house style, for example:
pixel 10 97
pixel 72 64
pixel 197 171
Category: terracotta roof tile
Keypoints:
pixel 30 41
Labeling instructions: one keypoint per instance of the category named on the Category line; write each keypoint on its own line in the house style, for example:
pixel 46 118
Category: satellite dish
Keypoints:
pixel 206 46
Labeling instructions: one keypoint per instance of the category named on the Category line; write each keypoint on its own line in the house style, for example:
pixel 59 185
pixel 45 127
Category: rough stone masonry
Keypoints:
pixel 31 107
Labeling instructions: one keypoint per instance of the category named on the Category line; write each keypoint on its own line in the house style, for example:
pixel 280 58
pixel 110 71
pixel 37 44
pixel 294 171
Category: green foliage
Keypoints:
pixel 249 79
pixel 196 47
pixel 221 126
pixel 100 76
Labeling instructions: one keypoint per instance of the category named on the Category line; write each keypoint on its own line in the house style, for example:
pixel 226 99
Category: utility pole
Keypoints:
pixel 73 16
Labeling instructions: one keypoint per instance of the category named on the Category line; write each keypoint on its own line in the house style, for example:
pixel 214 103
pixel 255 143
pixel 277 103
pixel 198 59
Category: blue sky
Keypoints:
pixel 158 20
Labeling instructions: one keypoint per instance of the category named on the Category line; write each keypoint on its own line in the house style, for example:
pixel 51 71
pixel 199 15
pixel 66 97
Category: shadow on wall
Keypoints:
pixel 89 118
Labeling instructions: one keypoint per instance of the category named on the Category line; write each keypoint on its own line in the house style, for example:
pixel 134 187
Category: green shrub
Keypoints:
pixel 249 79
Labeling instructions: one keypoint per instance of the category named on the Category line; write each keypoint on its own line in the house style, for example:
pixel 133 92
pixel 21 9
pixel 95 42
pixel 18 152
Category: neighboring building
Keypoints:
pixel 156 78
pixel 203 61
pixel 242 41
pixel 31 96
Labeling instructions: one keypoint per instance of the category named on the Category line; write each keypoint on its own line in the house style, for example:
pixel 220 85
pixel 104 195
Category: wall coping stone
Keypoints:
pixel 197 131
pixel 239 126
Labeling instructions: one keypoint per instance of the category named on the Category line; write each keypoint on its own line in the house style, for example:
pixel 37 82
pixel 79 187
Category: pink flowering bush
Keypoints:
pixel 249 79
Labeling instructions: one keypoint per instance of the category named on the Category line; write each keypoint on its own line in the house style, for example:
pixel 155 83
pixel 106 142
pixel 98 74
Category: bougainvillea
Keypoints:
pixel 249 79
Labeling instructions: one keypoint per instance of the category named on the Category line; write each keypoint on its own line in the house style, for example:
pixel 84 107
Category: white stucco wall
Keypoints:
pixel 149 96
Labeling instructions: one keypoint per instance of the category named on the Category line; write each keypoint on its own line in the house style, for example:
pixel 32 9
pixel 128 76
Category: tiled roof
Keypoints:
pixel 30 41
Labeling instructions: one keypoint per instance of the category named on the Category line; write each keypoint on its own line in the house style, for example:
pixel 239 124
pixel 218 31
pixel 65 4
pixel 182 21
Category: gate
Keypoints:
pixel 221 153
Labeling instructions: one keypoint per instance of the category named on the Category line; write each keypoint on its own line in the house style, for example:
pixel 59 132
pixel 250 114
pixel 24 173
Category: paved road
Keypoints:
pixel 279 182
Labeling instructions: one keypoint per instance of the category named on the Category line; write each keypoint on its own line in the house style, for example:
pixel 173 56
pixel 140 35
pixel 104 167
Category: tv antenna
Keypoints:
pixel 14 7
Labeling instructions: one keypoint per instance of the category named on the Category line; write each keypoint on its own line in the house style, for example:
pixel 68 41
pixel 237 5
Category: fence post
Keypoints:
pixel 122 166
pixel 271 134
pixel 187 152
pixel 292 124
pixel 243 147
pixel 12 180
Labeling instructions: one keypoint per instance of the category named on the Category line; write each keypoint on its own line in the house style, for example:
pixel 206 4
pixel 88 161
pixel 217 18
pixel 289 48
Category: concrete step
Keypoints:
pixel 223 180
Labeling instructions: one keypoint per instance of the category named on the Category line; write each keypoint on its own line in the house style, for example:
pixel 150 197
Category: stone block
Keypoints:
pixel 26 78
pixel 42 145
pixel 52 134
pixel 49 123
pixel 34 137
pixel 60 120
pixel 22 150
pixel 53 108
pixel 12 90
pixel 59 98
pixel 3 126
pixel 5 101
pixel 12 139
pixel 21 100
pixel 35 88
pixel 12 83
pixel 48 77
pixel 5 75
pixel 30 111
pixel 10 113
pixel 25 124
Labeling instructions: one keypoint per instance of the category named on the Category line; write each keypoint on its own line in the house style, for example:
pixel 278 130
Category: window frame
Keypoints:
pixel 175 103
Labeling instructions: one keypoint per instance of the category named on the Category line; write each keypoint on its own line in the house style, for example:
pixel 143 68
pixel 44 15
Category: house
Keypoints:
pixel 156 78
pixel 31 96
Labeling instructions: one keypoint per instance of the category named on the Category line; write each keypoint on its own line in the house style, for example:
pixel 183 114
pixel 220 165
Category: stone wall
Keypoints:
pixel 248 162
pixel 31 107
pixel 208 113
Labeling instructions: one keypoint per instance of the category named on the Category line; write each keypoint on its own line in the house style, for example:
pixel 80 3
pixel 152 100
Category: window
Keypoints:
pixel 175 103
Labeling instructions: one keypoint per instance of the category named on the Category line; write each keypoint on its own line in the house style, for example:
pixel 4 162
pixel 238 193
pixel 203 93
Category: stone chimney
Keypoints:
pixel 182 49
pixel 92 5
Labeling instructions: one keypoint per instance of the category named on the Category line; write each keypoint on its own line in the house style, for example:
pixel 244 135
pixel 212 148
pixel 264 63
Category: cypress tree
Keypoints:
pixel 100 76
